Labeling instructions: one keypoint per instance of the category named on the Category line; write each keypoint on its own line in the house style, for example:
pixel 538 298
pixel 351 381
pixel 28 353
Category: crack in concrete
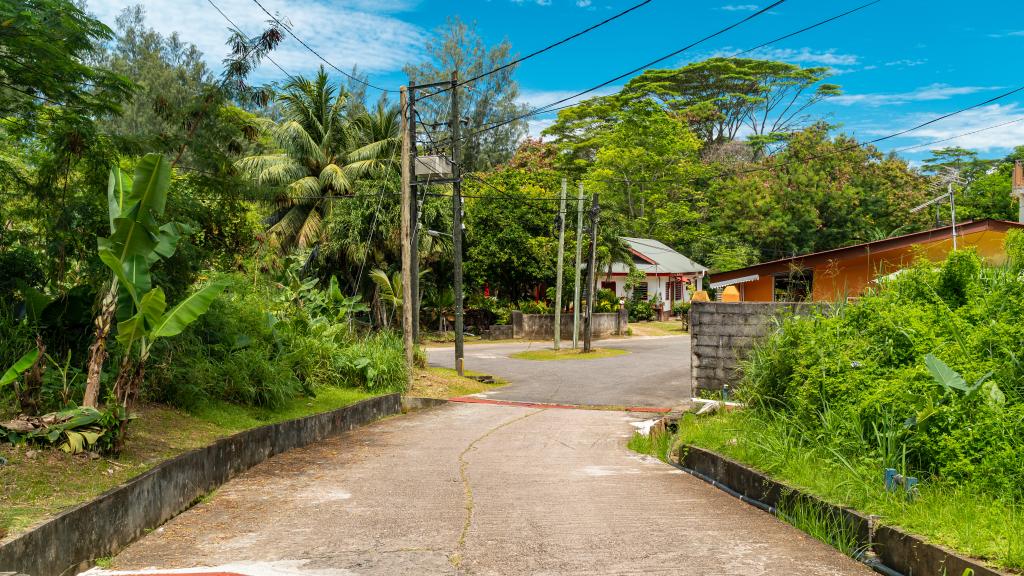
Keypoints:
pixel 455 558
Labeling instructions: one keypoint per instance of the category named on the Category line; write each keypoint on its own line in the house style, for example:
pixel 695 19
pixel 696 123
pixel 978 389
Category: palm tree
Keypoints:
pixel 319 153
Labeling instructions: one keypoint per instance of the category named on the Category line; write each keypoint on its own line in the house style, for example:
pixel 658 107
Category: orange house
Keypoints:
pixel 836 274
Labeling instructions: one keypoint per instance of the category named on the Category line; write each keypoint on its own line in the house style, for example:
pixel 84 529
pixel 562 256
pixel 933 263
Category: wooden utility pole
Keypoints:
pixel 455 124
pixel 406 104
pixel 588 326
pixel 414 217
pixel 558 277
pixel 576 282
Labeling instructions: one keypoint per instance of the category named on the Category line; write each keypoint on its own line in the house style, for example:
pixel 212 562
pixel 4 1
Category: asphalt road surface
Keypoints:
pixel 655 373
pixel 478 489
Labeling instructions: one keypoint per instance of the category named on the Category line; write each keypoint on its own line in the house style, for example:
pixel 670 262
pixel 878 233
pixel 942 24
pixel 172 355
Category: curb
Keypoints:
pixel 897 550
pixel 107 524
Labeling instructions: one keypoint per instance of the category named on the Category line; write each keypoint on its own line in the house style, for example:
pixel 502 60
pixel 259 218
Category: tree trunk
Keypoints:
pixel 126 390
pixel 32 385
pixel 98 350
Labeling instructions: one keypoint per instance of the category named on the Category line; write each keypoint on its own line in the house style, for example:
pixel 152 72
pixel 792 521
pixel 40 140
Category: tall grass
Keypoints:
pixel 841 468
pixel 653 444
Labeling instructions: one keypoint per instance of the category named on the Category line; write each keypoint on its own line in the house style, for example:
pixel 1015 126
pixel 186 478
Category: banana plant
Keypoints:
pixel 389 291
pixel 136 242
pixel 346 306
pixel 19 367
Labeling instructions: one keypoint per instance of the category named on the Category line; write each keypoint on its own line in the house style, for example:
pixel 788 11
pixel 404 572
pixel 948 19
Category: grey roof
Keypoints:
pixel 667 260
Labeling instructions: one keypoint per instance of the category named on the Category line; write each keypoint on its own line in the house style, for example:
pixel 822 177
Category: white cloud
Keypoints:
pixel 1001 137
pixel 361 32
pixel 740 7
pixel 906 63
pixel 794 55
pixel 923 94
pixel 535 127
pixel 1005 34
pixel 535 98
pixel 583 3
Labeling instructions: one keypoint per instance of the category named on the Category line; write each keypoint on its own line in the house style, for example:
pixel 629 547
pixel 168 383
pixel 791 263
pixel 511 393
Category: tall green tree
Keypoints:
pixel 317 154
pixel 645 169
pixel 488 101
pixel 46 47
pixel 821 192
pixel 720 96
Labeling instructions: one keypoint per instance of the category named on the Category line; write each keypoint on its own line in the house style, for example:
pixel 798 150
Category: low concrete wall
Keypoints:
pixel 898 550
pixel 722 334
pixel 500 332
pixel 107 524
pixel 542 326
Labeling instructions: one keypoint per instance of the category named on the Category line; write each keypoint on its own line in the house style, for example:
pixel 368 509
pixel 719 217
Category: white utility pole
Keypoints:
pixel 579 256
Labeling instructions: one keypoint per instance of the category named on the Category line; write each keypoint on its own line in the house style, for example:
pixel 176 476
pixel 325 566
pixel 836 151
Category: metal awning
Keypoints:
pixel 740 280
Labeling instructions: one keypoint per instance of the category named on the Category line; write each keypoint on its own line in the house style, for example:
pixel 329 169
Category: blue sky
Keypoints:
pixel 899 62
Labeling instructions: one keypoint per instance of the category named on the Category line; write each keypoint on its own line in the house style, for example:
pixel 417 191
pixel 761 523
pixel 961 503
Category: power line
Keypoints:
pixel 317 54
pixel 542 50
pixel 933 142
pixel 549 108
pixel 888 136
pixel 249 51
pixel 543 109
pixel 806 28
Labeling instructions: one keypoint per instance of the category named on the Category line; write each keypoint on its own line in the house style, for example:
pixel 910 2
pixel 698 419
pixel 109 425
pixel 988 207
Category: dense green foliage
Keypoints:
pixel 924 373
pixel 257 349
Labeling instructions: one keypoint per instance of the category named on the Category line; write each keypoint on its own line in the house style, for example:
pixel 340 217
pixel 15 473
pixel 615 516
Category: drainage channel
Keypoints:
pixel 870 561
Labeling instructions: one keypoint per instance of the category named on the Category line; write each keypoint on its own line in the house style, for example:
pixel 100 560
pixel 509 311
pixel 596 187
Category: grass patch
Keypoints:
pixel 656 328
pixel 446 383
pixel 38 483
pixel 651 444
pixel 960 516
pixel 822 524
pixel 568 354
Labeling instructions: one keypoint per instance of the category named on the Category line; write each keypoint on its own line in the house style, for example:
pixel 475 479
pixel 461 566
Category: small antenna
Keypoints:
pixel 1018 187
pixel 946 177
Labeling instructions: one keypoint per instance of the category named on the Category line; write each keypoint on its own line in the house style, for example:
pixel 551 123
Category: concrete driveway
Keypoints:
pixel 655 373
pixel 479 489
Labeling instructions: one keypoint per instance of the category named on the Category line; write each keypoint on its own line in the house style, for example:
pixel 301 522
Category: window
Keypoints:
pixel 794 286
pixel 640 292
pixel 608 286
pixel 675 290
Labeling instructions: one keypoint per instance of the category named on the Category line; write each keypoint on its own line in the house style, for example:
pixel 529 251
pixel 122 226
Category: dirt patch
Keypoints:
pixel 446 383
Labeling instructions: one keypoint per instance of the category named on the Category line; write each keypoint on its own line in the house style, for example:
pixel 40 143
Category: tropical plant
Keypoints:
pixel 389 292
pixel 19 367
pixel 318 154
pixel 138 241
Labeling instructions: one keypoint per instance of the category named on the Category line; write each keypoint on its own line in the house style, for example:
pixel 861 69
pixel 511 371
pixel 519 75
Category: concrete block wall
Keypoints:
pixel 722 334
pixel 542 326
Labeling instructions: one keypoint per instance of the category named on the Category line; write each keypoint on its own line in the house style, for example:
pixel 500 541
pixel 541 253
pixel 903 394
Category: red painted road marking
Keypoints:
pixel 472 400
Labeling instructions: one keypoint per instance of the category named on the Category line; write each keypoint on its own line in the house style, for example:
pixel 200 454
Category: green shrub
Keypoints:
pixel 533 307
pixel 1014 246
pixel 681 308
pixel 640 310
pixel 254 348
pixel 863 364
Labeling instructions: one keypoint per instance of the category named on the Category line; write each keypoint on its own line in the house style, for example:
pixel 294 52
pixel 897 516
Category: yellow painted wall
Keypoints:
pixel 760 290
pixel 839 279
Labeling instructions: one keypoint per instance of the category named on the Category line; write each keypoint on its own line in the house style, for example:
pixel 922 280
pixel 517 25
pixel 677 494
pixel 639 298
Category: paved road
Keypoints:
pixel 479 489
pixel 654 374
